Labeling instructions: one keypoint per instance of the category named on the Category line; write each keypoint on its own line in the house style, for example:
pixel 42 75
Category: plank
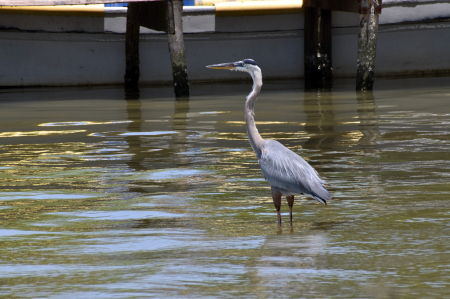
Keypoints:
pixel 152 15
pixel 246 8
pixel 340 5
pixel 357 6
pixel 62 2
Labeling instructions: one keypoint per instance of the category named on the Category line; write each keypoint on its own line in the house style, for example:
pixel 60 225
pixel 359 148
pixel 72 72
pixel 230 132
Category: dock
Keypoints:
pixel 75 47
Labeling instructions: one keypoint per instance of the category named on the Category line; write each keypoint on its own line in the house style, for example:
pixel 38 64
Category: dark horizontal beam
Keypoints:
pixel 341 5
pixel 357 6
pixel 62 2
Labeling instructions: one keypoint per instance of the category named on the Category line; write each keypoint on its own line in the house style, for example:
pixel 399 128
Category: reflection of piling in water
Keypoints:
pixel 320 127
pixel 368 121
pixel 136 145
pixel 320 120
pixel 368 126
pixel 179 124
pixel 134 142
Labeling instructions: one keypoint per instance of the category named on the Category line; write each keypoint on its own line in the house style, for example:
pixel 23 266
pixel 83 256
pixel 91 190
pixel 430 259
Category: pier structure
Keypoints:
pixel 86 45
pixel 318 41
pixel 161 15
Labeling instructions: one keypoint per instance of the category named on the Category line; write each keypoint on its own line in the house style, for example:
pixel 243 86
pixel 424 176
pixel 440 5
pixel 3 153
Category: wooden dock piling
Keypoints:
pixel 317 54
pixel 367 43
pixel 176 48
pixel 166 15
pixel 132 71
pixel 317 48
pixel 161 16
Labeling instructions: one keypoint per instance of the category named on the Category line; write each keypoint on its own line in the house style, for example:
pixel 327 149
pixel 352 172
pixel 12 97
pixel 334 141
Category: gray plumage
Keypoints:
pixel 286 172
pixel 289 173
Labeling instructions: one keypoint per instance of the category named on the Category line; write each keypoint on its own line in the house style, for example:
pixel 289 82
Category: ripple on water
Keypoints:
pixel 17 232
pixel 116 215
pixel 46 195
pixel 148 133
pixel 168 200
pixel 83 123
pixel 173 174
pixel 164 240
pixel 131 134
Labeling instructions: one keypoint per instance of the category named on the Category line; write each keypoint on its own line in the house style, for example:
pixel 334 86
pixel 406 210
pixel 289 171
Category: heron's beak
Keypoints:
pixel 223 66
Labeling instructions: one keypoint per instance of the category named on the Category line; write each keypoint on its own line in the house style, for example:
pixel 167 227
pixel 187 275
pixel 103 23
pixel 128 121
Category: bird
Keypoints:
pixel 287 173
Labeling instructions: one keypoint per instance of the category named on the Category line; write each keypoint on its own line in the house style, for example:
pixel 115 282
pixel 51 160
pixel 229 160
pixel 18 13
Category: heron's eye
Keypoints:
pixel 242 64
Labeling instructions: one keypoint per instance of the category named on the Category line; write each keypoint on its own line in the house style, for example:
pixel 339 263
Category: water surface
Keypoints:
pixel 109 196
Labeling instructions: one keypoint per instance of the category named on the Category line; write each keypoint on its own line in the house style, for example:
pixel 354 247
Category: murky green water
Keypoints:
pixel 108 197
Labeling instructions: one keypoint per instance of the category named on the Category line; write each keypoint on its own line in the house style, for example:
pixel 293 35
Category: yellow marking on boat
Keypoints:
pixel 97 10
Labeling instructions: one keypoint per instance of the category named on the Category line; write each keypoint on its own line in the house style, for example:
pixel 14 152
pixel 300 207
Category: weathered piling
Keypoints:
pixel 161 16
pixel 176 48
pixel 132 72
pixel 150 14
pixel 317 48
pixel 367 43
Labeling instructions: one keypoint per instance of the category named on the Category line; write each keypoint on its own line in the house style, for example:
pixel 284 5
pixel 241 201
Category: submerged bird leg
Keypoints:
pixel 276 196
pixel 290 200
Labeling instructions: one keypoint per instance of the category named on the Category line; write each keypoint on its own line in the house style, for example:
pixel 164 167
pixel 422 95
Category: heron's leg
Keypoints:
pixel 276 196
pixel 290 200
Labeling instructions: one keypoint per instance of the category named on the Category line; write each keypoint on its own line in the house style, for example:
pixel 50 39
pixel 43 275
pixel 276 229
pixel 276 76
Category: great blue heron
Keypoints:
pixel 287 173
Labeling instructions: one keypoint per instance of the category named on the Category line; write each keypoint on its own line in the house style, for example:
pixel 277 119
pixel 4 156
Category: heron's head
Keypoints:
pixel 246 65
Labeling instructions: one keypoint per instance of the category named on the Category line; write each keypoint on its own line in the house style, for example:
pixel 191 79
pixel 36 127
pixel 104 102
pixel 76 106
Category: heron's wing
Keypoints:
pixel 286 170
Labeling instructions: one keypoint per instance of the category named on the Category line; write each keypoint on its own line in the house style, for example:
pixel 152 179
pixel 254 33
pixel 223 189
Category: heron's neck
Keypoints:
pixel 255 139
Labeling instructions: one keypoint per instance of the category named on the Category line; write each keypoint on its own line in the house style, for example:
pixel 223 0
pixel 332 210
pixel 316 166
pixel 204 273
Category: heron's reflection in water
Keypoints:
pixel 284 258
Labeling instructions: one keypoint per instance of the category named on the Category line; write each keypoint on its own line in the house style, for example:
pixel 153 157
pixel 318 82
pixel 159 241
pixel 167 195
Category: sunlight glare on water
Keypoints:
pixel 104 196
